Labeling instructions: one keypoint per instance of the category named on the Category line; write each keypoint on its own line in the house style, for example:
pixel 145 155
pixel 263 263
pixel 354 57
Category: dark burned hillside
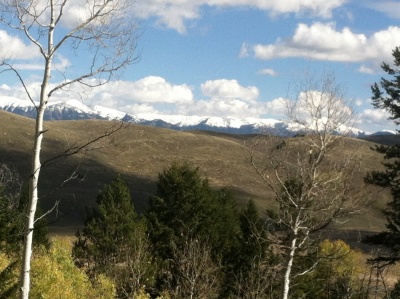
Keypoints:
pixel 138 154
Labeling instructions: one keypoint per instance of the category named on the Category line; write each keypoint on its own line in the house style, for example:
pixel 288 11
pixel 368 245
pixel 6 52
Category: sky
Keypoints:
pixel 233 58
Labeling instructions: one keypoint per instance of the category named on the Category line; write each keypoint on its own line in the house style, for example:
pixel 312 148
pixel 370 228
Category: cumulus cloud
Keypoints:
pixel 375 119
pixel 12 47
pixel 229 89
pixel 155 89
pixel 147 95
pixel 375 115
pixel 143 95
pixel 224 108
pixel 277 107
pixel 226 98
pixel 152 95
pixel 174 14
pixel 321 41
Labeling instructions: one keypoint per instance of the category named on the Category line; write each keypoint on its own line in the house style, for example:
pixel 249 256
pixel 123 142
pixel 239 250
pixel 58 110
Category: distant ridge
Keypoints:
pixel 76 110
pixel 384 132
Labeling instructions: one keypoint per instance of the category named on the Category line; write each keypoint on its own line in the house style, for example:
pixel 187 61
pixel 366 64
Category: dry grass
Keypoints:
pixel 139 153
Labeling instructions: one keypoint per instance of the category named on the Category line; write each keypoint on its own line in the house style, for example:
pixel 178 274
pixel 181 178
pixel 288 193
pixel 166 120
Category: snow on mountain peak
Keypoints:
pixel 108 113
pixel 75 109
pixel 75 104
pixel 6 101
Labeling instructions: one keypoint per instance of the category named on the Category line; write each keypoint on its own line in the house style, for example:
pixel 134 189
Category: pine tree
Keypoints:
pixel 179 208
pixel 113 241
pixel 389 97
pixel 253 241
pixel 386 96
pixel 13 203
pixel 185 207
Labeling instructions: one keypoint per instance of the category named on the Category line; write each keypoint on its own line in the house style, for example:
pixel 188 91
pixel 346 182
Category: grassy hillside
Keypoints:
pixel 138 154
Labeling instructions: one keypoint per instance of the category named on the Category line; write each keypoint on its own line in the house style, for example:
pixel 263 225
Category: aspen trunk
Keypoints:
pixel 286 279
pixel 36 165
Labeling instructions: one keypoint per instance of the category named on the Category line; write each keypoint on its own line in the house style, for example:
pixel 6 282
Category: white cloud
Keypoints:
pixel 229 89
pixel 277 107
pixel 174 14
pixel 152 95
pixel 12 47
pixel 169 13
pixel 154 89
pixel 226 98
pixel 390 8
pixel 269 72
pixel 322 41
pixel 314 7
pixel 140 109
pixel 375 120
pixel 148 95
pixel 143 95
pixel 374 115
pixel 75 12
pixel 223 107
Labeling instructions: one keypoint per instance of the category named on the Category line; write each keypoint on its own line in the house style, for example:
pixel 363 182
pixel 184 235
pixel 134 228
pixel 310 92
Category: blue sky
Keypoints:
pixel 238 58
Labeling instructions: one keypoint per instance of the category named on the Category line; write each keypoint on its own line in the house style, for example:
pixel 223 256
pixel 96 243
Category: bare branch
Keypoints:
pixel 312 187
pixel 11 68
pixel 73 150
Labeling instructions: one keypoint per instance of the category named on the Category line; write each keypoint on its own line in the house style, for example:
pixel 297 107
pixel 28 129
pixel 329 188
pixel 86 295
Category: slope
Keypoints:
pixel 138 153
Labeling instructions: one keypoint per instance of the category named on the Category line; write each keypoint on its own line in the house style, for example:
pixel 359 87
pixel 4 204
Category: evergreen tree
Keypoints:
pixel 386 96
pixel 113 241
pixel 253 239
pixel 185 207
pixel 13 204
pixel 10 224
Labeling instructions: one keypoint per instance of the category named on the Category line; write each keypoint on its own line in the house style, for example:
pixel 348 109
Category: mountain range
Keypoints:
pixel 76 110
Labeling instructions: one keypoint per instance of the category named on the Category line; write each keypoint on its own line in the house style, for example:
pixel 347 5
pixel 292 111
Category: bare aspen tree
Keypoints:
pixel 10 181
pixel 100 30
pixel 311 175
pixel 196 275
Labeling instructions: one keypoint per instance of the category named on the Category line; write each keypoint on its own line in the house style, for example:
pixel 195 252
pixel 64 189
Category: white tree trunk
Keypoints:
pixel 31 209
pixel 36 167
pixel 286 279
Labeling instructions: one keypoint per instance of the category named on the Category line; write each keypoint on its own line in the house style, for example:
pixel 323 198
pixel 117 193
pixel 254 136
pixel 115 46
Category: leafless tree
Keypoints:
pixel 101 29
pixel 195 274
pixel 311 176
pixel 10 181
pixel 137 271
pixel 259 282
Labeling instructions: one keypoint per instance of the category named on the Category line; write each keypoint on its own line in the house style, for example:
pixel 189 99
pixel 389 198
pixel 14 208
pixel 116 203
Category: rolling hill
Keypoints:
pixel 138 153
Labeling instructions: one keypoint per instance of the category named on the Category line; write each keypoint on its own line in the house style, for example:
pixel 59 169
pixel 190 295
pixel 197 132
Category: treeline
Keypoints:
pixel 192 241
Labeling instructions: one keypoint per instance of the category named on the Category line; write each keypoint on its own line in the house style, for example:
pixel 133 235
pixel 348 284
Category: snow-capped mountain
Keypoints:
pixel 74 109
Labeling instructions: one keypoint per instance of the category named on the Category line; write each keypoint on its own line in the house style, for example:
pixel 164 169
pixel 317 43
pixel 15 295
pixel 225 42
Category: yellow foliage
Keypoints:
pixel 54 275
pixel 9 279
pixel 141 295
pixel 343 261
